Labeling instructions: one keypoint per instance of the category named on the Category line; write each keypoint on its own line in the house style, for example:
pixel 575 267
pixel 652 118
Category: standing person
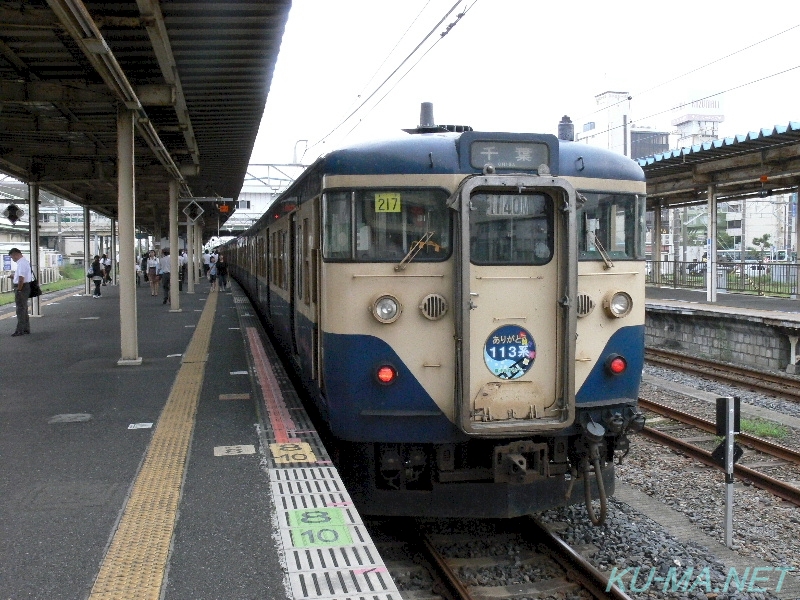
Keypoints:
pixel 143 267
pixel 22 291
pixel 206 262
pixel 183 262
pixel 152 272
pixel 222 271
pixel 164 267
pixel 212 273
pixel 106 268
pixel 96 274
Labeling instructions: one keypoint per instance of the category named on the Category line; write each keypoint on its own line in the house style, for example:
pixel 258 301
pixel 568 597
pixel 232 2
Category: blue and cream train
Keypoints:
pixel 466 311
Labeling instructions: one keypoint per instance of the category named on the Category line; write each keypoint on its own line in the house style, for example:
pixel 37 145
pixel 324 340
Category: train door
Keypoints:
pixel 518 280
pixel 293 276
pixel 311 258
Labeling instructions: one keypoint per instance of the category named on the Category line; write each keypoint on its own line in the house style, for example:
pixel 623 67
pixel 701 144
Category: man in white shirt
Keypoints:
pixel 206 262
pixel 106 262
pixel 164 267
pixel 22 291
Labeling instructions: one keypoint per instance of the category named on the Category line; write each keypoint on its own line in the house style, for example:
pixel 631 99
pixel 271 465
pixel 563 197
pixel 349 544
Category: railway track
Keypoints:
pixel 784 387
pixel 533 562
pixel 689 447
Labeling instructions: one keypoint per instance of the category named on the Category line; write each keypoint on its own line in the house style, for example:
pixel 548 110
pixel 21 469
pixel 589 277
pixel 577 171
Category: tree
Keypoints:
pixel 763 243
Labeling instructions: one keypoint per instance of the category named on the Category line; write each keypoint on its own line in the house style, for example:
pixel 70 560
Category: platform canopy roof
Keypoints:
pixel 196 73
pixel 760 163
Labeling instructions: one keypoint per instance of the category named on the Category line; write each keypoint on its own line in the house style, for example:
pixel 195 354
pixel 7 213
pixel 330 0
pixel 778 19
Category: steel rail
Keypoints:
pixel 577 567
pixel 445 573
pixel 765 482
pixel 759 381
pixel 754 442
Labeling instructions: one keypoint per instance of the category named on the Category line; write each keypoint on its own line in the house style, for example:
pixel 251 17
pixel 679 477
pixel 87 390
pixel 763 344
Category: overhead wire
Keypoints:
pixel 399 41
pixel 659 85
pixel 377 89
pixel 396 83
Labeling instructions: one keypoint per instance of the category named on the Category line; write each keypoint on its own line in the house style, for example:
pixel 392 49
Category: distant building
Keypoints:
pixel 700 123
pixel 612 129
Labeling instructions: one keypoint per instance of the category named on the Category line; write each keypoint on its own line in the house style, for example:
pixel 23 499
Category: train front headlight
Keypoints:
pixel 618 304
pixel 386 309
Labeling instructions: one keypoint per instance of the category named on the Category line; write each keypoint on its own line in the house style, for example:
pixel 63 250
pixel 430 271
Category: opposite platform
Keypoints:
pixel 754 331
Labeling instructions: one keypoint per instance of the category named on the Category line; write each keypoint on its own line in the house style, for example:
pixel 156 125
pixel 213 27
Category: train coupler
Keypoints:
pixel 520 462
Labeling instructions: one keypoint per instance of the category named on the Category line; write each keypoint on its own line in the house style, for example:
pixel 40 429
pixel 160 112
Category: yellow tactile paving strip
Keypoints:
pixel 136 560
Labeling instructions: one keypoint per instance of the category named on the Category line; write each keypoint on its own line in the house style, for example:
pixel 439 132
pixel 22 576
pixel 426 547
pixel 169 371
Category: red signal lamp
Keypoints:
pixel 386 374
pixel 616 364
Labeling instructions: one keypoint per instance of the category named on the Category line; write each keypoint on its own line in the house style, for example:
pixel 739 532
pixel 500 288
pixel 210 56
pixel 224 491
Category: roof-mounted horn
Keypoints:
pixel 427 124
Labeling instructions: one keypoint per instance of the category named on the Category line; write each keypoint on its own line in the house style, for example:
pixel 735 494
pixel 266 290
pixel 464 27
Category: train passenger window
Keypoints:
pixel 511 229
pixel 387 223
pixel 612 223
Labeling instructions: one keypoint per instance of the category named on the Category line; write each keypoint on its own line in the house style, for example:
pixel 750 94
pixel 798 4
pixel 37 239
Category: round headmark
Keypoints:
pixel 509 352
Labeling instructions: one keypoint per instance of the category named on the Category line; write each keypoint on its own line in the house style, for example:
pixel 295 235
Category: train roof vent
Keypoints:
pixel 433 307
pixel 585 305
pixel 427 124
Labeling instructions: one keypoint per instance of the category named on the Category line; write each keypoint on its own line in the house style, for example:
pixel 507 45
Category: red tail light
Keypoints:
pixel 386 374
pixel 616 364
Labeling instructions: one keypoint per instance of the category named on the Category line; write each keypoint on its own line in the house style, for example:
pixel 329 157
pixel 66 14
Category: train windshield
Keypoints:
pixel 379 225
pixel 611 223
pixel 511 229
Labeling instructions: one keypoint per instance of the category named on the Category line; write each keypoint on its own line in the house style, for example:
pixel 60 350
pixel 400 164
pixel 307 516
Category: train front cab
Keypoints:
pixel 515 331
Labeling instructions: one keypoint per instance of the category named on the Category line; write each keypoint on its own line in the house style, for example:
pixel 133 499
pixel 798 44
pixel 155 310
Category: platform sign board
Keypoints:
pixel 193 211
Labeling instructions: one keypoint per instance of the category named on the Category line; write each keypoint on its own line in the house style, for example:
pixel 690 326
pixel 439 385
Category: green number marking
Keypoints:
pixel 320 516
pixel 322 527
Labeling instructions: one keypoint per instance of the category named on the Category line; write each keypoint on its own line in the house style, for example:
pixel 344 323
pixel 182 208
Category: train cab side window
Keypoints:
pixel 612 223
pixel 386 223
pixel 338 219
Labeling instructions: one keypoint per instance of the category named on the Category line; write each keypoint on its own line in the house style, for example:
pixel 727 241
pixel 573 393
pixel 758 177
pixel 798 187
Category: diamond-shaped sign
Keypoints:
pixel 193 211
pixel 13 213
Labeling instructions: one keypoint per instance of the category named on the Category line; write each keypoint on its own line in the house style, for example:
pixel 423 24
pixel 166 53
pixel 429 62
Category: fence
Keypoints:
pixel 759 278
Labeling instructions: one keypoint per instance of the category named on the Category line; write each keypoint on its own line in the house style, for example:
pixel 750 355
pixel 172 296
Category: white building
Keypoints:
pixel 698 122
pixel 611 127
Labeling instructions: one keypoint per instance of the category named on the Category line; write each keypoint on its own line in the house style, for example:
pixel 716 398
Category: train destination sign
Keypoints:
pixel 526 156
pixel 516 205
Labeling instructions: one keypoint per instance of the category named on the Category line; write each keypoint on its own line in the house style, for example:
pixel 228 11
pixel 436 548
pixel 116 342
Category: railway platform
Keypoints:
pixel 755 331
pixel 195 475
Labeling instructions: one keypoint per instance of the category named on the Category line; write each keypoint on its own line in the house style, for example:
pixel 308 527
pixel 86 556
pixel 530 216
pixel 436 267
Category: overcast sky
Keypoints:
pixel 519 65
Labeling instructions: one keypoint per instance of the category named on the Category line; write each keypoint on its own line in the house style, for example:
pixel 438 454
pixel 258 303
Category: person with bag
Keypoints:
pixel 22 277
pixel 96 274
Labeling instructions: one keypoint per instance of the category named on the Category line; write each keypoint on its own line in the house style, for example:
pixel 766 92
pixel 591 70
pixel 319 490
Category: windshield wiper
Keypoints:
pixel 415 248
pixel 604 255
